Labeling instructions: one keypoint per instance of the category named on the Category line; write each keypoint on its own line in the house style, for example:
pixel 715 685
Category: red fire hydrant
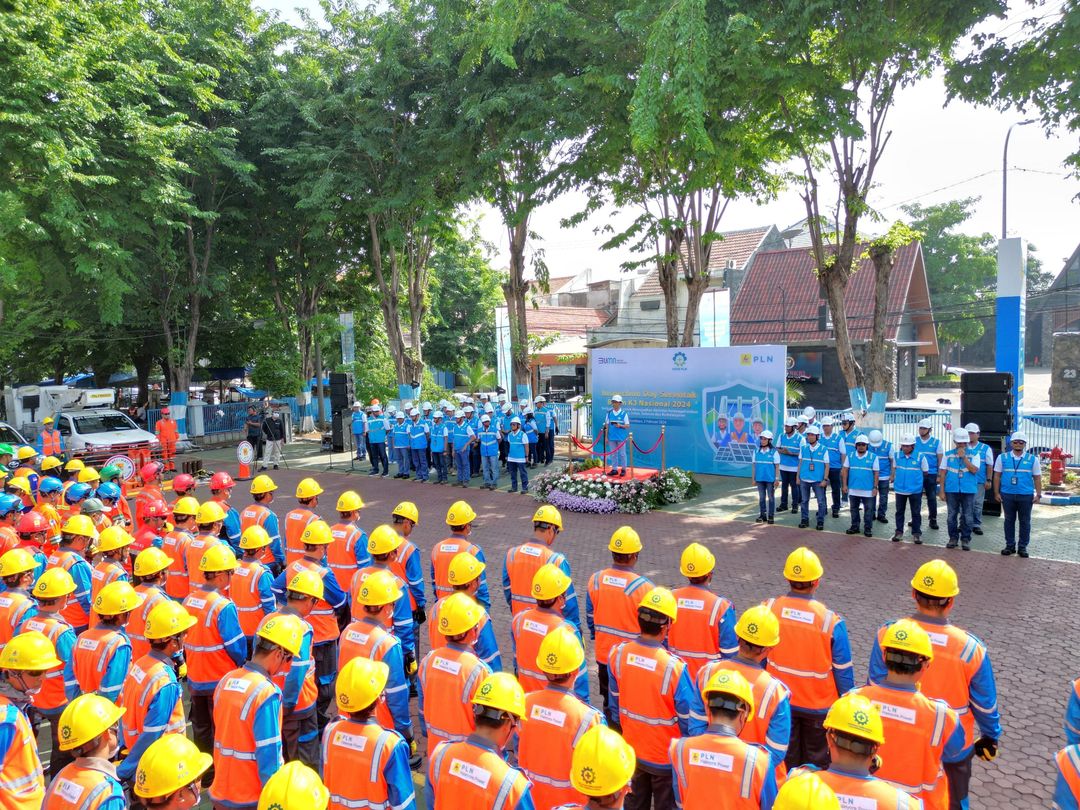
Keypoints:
pixel 1057 459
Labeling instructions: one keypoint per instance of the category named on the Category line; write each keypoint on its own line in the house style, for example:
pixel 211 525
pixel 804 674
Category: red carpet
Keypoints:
pixel 636 474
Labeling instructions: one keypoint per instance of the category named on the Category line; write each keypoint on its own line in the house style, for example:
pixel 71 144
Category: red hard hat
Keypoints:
pixel 148 472
pixel 221 480
pixel 156 509
pixel 164 411
pixel 31 523
pixel 183 483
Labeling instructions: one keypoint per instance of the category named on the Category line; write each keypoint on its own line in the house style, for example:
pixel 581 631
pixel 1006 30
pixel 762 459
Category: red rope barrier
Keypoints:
pixel 595 452
pixel 646 452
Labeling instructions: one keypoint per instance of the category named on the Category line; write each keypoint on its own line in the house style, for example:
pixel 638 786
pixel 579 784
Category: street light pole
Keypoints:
pixel 1005 172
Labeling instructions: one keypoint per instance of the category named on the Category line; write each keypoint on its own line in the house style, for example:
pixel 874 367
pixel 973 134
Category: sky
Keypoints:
pixel 937 153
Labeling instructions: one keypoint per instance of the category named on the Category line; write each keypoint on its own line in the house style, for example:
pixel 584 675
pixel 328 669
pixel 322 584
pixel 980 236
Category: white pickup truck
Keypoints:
pixel 97 431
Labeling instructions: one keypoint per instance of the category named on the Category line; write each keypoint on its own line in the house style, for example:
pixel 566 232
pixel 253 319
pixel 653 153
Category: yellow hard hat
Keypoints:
pixel 464 568
pixel 186 506
pixel 150 561
pixel 169 763
pixel 349 501
pixel 458 613
pixel 560 652
pixel 16 561
pixel 907 636
pixel 758 625
pixel 383 539
pixel 696 561
pixel 25 452
pixel 285 630
pixel 85 719
pixel 854 714
pixel 602 762
pixel 255 537
pixel 662 601
pixel 936 578
pixel 261 484
pixel 53 584
pixel 167 618
pixel 625 541
pixel 360 683
pixel 730 682
pixel 117 597
pixel 548 514
pixel 112 538
pixel 459 514
pixel 806 791
pixel 295 786
pixel 80 525
pixel 210 512
pixel 30 651
pixel 21 483
pixel 74 465
pixel 501 690
pixel 218 558
pixel 317 533
pixel 803 565
pixel 380 588
pixel 308 488
pixel 88 475
pixel 308 583
pixel 407 510
pixel 50 463
pixel 549 582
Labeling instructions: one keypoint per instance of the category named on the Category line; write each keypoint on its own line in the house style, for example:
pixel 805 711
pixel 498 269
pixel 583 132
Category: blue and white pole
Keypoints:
pixel 178 401
pixel 1010 312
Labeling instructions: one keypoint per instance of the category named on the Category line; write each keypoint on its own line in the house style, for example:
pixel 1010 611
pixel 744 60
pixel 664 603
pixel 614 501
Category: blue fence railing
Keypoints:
pixel 1046 432
pixel 897 423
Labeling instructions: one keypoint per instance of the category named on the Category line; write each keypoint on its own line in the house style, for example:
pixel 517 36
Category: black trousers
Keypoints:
pixel 651 790
pixel 300 738
pixel 959 776
pixel 326 664
pixel 57 759
pixel 202 728
pixel 808 745
pixel 833 489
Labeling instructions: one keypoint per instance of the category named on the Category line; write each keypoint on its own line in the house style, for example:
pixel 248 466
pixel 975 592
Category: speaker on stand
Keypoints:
pixel 986 398
pixel 342 396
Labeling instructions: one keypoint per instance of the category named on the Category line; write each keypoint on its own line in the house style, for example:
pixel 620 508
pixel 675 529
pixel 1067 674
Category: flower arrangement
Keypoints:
pixel 602 495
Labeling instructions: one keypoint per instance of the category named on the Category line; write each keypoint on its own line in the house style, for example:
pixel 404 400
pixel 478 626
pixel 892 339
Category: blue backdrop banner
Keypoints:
pixel 713 402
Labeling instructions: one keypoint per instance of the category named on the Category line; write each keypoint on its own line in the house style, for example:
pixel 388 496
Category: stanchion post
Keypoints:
pixel 630 442
pixel 570 447
pixel 663 446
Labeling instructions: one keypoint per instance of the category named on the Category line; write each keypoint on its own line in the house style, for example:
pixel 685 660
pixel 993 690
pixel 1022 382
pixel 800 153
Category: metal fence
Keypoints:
pixel 223 421
pixel 1046 432
pixel 897 423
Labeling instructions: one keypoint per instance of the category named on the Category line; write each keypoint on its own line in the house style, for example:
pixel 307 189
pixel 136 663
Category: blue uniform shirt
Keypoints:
pixel 812 462
pixel 359 423
pixel 958 477
pixel 618 425
pixel 884 453
pixel 1017 474
pixel 929 449
pixel 376 429
pixel 837 448
pixel 439 433
pixel 765 461
pixel 909 473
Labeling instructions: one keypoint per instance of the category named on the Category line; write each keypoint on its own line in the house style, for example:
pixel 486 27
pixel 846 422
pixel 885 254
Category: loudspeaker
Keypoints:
pixel 986 401
pixel 989 422
pixel 337 432
pixel 998 443
pixel 988 381
pixel 342 394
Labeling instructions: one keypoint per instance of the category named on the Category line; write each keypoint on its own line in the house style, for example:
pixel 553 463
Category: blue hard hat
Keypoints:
pixel 108 491
pixel 76 493
pixel 9 504
pixel 50 484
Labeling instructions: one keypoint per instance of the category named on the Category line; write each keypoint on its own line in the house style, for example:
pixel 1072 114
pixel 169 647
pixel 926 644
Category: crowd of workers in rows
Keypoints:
pixel 301 645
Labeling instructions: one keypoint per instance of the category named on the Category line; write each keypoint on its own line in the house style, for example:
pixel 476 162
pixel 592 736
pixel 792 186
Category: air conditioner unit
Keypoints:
pixel 731 264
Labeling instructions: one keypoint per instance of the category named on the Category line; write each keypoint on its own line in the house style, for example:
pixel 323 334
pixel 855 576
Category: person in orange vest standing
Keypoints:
pixel 175 545
pixel 149 570
pixel 611 602
pixel 465 572
pixel 557 719
pixel 102 654
pixel 215 644
pixel 919 731
pixel 150 478
pixel 522 563
pixel 449 676
pixel 183 485
pixel 23 665
pixel 531 627
pixel 407 563
pixel 152 696
pixel 10 512
pixel 75 538
pixel 459 517
pixel 960 674
pixel 50 442
pixel 383 546
pixel 348 553
pixel 221 487
pixel 168 436
pixel 472 772
pixel 1072 715
pixel 705 629
pixel 258 513
pixel 89 730
pixel 769 725
pixel 247 741
pixel 358 743
pixel 169 773
pixel 252 587
pixel 16 606
pixel 1067 788
pixel 112 547
pixel 812 657
pixel 297 520
pixel 208 521
pixel 718 768
pixel 653 700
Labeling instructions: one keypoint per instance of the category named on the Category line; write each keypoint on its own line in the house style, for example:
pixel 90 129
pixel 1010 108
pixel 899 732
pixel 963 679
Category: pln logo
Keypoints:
pixel 678 361
pixel 748 359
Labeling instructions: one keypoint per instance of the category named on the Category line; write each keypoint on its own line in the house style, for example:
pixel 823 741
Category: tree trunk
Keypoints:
pixel 667 271
pixel 515 289
pixel 878 374
pixel 835 281
pixel 143 363
pixel 695 291
pixel 389 302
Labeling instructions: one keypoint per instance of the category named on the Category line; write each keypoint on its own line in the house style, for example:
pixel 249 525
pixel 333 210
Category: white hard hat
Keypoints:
pixel 399 415
pixel 469 400
pixel 875 437
pixel 527 411
pixel 459 414
pixel 847 416
pixel 358 404
pixel 485 418
pixel 376 407
pixel 827 420
pixel 766 434
pixel 469 409
pixel 540 398
pixel 414 412
pixel 925 424
pixel 971 427
pixel 814 429
pixel 502 397
pixel 907 439
pixel 515 421
pixel 508 408
pixel 437 415
pixel 861 439
pixel 426 406
pixel 616 397
pixel 960 436
pixel 802 419
pixel 407 405
pixel 809 412
pixel 1019 436
pixel 791 421
pixel 523 403
pixel 488 408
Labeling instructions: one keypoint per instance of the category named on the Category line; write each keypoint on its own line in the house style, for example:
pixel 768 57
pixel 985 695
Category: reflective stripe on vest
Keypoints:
pixel 522 563
pixel 803 658
pixel 94 650
pixel 237 700
pixel 556 722
pixel 148 676
pixel 695 633
pixel 441 556
pixel 614 596
pixel 351 748
pixel 244 590
pixel 295 522
pixel 449 676
pixel 175 545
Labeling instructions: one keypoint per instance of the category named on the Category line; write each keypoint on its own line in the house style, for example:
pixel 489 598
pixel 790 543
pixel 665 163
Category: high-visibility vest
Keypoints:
pixel 136 626
pixel 15 606
pixel 615 594
pixel 556 721
pixel 73 612
pixel 175 544
pixel 354 756
pixel 8 539
pixel 84 785
pixel 528 631
pixel 105 572
pixel 148 676
pixel 647 677
pixel 149 492
pixel 399 566
pixel 53 694
pixel 854 790
pixel 308 690
pixel 244 591
pixel 237 700
pixel 22 778
pixel 48 511
pixel 255 514
pixel 51 443
pixel 803 658
pixel 295 522
pixel 449 677
pixel 1068 764
pixel 695 633
pixel 713 765
pixel 204 649
pixel 364 638
pixel 341 554
pixel 522 563
pixel 769 693
pixel 467 775
pixel 322 618
pixel 442 554
pixel 93 652
pixel 199 545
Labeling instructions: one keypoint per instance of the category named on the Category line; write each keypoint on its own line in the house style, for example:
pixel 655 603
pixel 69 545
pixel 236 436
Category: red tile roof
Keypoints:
pixel 566 320
pixel 779 299
pixel 736 245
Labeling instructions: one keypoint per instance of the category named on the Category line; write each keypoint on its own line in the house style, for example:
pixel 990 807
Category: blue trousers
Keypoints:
pixel 461 464
pixel 1015 507
pixel 517 469
pixel 864 504
pixel 835 488
pixel 438 460
pixel 902 503
pixel 961 505
pixel 378 456
pixel 788 483
pixel 419 462
pixel 930 492
pixel 766 498
pixel 490 465
pixel 882 498
pixel 401 455
pixel 617 460
pixel 360 445
pixel 818 488
pixel 977 507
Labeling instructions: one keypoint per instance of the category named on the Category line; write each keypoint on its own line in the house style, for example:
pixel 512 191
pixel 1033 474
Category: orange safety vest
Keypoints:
pixel 528 630
pixel 48 511
pixel 204 648
pixel 1068 763
pixel 237 700
pixel 198 545
pixel 149 675
pixel 399 565
pixel 615 594
pixel 244 591
pixel 93 652
pixel 136 626
pixel 522 563
pixel 50 443
pixel 695 633
pixel 852 790
pixel 365 638
pixel 712 765
pixel 73 612
pixel 354 757
pixel 468 775
pixel 803 658
pixel 175 544
pixel 53 694
pixel 22 778
pixel 308 691
pixel 8 539
pixel 255 514
pixel 295 522
pixel 85 784
pixel 449 677
pixel 556 721
pixel 166 430
pixel 14 605
pixel 647 676
pixel 105 572
pixel 322 619
pixel 149 492
pixel 916 730
pixel 341 554
pixel 442 554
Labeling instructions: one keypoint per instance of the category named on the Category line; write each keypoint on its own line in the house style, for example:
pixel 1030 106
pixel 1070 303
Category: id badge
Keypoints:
pixel 1014 481
pixel 813 466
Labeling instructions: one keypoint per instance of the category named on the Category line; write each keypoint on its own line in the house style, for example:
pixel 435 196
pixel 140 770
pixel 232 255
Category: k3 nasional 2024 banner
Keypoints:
pixel 713 402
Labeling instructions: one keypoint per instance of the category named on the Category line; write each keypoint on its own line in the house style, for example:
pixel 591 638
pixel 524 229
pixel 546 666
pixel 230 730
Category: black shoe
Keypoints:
pixel 782 507
pixel 952 544
pixel 1007 552
pixel 820 527
pixel 977 531
pixel 1022 553
pixel 262 469
pixel 415 761
pixel 760 519
pixel 918 539
pixel 852 530
pixel 897 538
pixel 770 520
pixel 836 513
pixel 794 510
pixel 965 546
pixel 612 472
pixel 525 491
pixel 803 524
pixel 882 520
pixel 511 490
pixel 933 525
pixel 373 472
pixel 275 466
pixel 868 533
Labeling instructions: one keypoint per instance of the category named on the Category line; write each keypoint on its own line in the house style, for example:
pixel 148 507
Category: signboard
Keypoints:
pixel 714 318
pixel 713 402
pixel 348 338
pixel 245 452
pixel 804 367
pixel 126 465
